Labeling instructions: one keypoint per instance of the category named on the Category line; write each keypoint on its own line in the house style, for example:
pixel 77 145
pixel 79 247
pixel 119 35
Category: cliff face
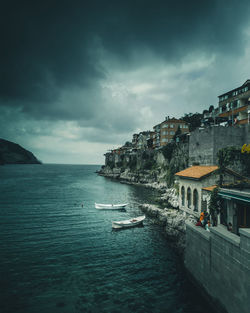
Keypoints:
pixel 148 166
pixel 201 148
pixel 12 153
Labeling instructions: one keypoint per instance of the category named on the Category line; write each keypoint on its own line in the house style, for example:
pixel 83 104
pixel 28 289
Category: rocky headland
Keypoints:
pixel 12 153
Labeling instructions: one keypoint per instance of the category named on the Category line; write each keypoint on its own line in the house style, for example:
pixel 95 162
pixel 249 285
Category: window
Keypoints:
pixel 182 196
pixel 195 200
pixel 171 126
pixel 171 133
pixel 224 97
pixel 189 198
pixel 181 126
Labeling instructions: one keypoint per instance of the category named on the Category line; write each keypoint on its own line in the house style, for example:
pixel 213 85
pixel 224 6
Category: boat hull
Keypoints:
pixel 100 206
pixel 128 223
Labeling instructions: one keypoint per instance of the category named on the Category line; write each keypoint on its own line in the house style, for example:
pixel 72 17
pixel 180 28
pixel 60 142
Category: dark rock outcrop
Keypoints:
pixel 12 153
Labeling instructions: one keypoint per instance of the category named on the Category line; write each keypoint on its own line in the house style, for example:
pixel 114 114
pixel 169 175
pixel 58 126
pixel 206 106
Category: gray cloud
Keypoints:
pixel 48 45
pixel 106 69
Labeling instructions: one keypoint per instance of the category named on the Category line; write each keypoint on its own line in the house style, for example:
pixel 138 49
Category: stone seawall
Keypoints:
pixel 173 222
pixel 219 261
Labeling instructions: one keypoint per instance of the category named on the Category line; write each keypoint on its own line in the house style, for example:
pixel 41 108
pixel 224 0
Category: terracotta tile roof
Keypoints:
pixel 197 171
pixel 210 188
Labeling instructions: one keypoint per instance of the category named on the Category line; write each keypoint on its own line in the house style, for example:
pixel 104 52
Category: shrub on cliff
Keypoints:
pixel 110 164
pixel 132 163
pixel 168 151
pixel 148 165
pixel 214 206
pixel 229 156
pixel 193 120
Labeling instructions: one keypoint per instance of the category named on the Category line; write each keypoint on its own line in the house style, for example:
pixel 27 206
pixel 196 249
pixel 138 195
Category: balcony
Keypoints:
pixel 234 111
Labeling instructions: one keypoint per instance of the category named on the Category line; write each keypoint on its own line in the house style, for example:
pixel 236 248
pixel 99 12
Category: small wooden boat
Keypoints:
pixel 129 223
pixel 110 206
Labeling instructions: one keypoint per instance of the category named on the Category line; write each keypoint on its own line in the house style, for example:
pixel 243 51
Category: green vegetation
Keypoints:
pixel 132 163
pixel 214 206
pixel 193 120
pixel 148 164
pixel 119 164
pixel 110 164
pixel 177 133
pixel 168 151
pixel 228 156
pixel 145 155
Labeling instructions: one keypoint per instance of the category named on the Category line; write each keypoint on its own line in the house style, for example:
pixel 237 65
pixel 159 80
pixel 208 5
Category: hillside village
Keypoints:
pixel 201 163
pixel 233 110
pixel 196 153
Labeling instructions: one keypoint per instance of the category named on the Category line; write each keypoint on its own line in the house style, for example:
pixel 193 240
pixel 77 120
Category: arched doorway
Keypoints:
pixel 195 200
pixel 189 198
pixel 182 196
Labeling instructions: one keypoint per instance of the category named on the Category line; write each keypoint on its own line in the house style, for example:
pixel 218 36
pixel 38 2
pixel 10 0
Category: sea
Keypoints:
pixel 59 254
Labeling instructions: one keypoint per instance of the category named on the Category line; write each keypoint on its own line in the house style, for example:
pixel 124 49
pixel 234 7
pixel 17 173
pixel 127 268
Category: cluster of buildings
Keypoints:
pixel 198 181
pixel 196 184
pixel 233 109
pixel 162 134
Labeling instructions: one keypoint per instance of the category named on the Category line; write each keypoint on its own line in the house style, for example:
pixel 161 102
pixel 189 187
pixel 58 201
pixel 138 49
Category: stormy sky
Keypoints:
pixel 80 77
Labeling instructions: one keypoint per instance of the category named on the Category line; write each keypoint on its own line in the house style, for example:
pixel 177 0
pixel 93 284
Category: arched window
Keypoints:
pixel 195 200
pixel 189 197
pixel 182 196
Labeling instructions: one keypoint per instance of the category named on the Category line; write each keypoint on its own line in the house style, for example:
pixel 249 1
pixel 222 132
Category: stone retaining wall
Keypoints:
pixel 220 263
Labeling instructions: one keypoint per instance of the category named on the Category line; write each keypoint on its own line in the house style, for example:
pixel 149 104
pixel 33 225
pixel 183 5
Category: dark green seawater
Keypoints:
pixel 57 256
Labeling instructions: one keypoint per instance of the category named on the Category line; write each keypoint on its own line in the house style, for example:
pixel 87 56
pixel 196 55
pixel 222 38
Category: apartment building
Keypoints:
pixel 143 140
pixel 169 128
pixel 165 131
pixel 156 136
pixel 235 104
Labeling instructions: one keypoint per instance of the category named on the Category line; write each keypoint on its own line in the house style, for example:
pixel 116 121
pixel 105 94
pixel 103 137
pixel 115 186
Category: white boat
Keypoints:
pixel 129 223
pixel 110 206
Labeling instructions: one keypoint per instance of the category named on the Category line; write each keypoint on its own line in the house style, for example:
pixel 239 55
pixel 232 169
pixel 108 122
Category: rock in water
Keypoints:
pixel 12 153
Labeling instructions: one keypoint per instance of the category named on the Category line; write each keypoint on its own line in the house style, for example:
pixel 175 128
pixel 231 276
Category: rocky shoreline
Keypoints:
pixel 166 214
pixel 173 222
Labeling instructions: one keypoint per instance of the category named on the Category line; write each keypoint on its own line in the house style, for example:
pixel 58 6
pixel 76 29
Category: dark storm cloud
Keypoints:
pixel 48 47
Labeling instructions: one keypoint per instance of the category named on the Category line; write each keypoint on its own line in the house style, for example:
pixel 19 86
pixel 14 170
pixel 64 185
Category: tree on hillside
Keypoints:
pixel 214 206
pixel 177 133
pixel 193 119
pixel 211 108
pixel 226 157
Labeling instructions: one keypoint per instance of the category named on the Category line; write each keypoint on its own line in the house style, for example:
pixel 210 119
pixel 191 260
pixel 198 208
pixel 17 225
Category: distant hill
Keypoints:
pixel 12 153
